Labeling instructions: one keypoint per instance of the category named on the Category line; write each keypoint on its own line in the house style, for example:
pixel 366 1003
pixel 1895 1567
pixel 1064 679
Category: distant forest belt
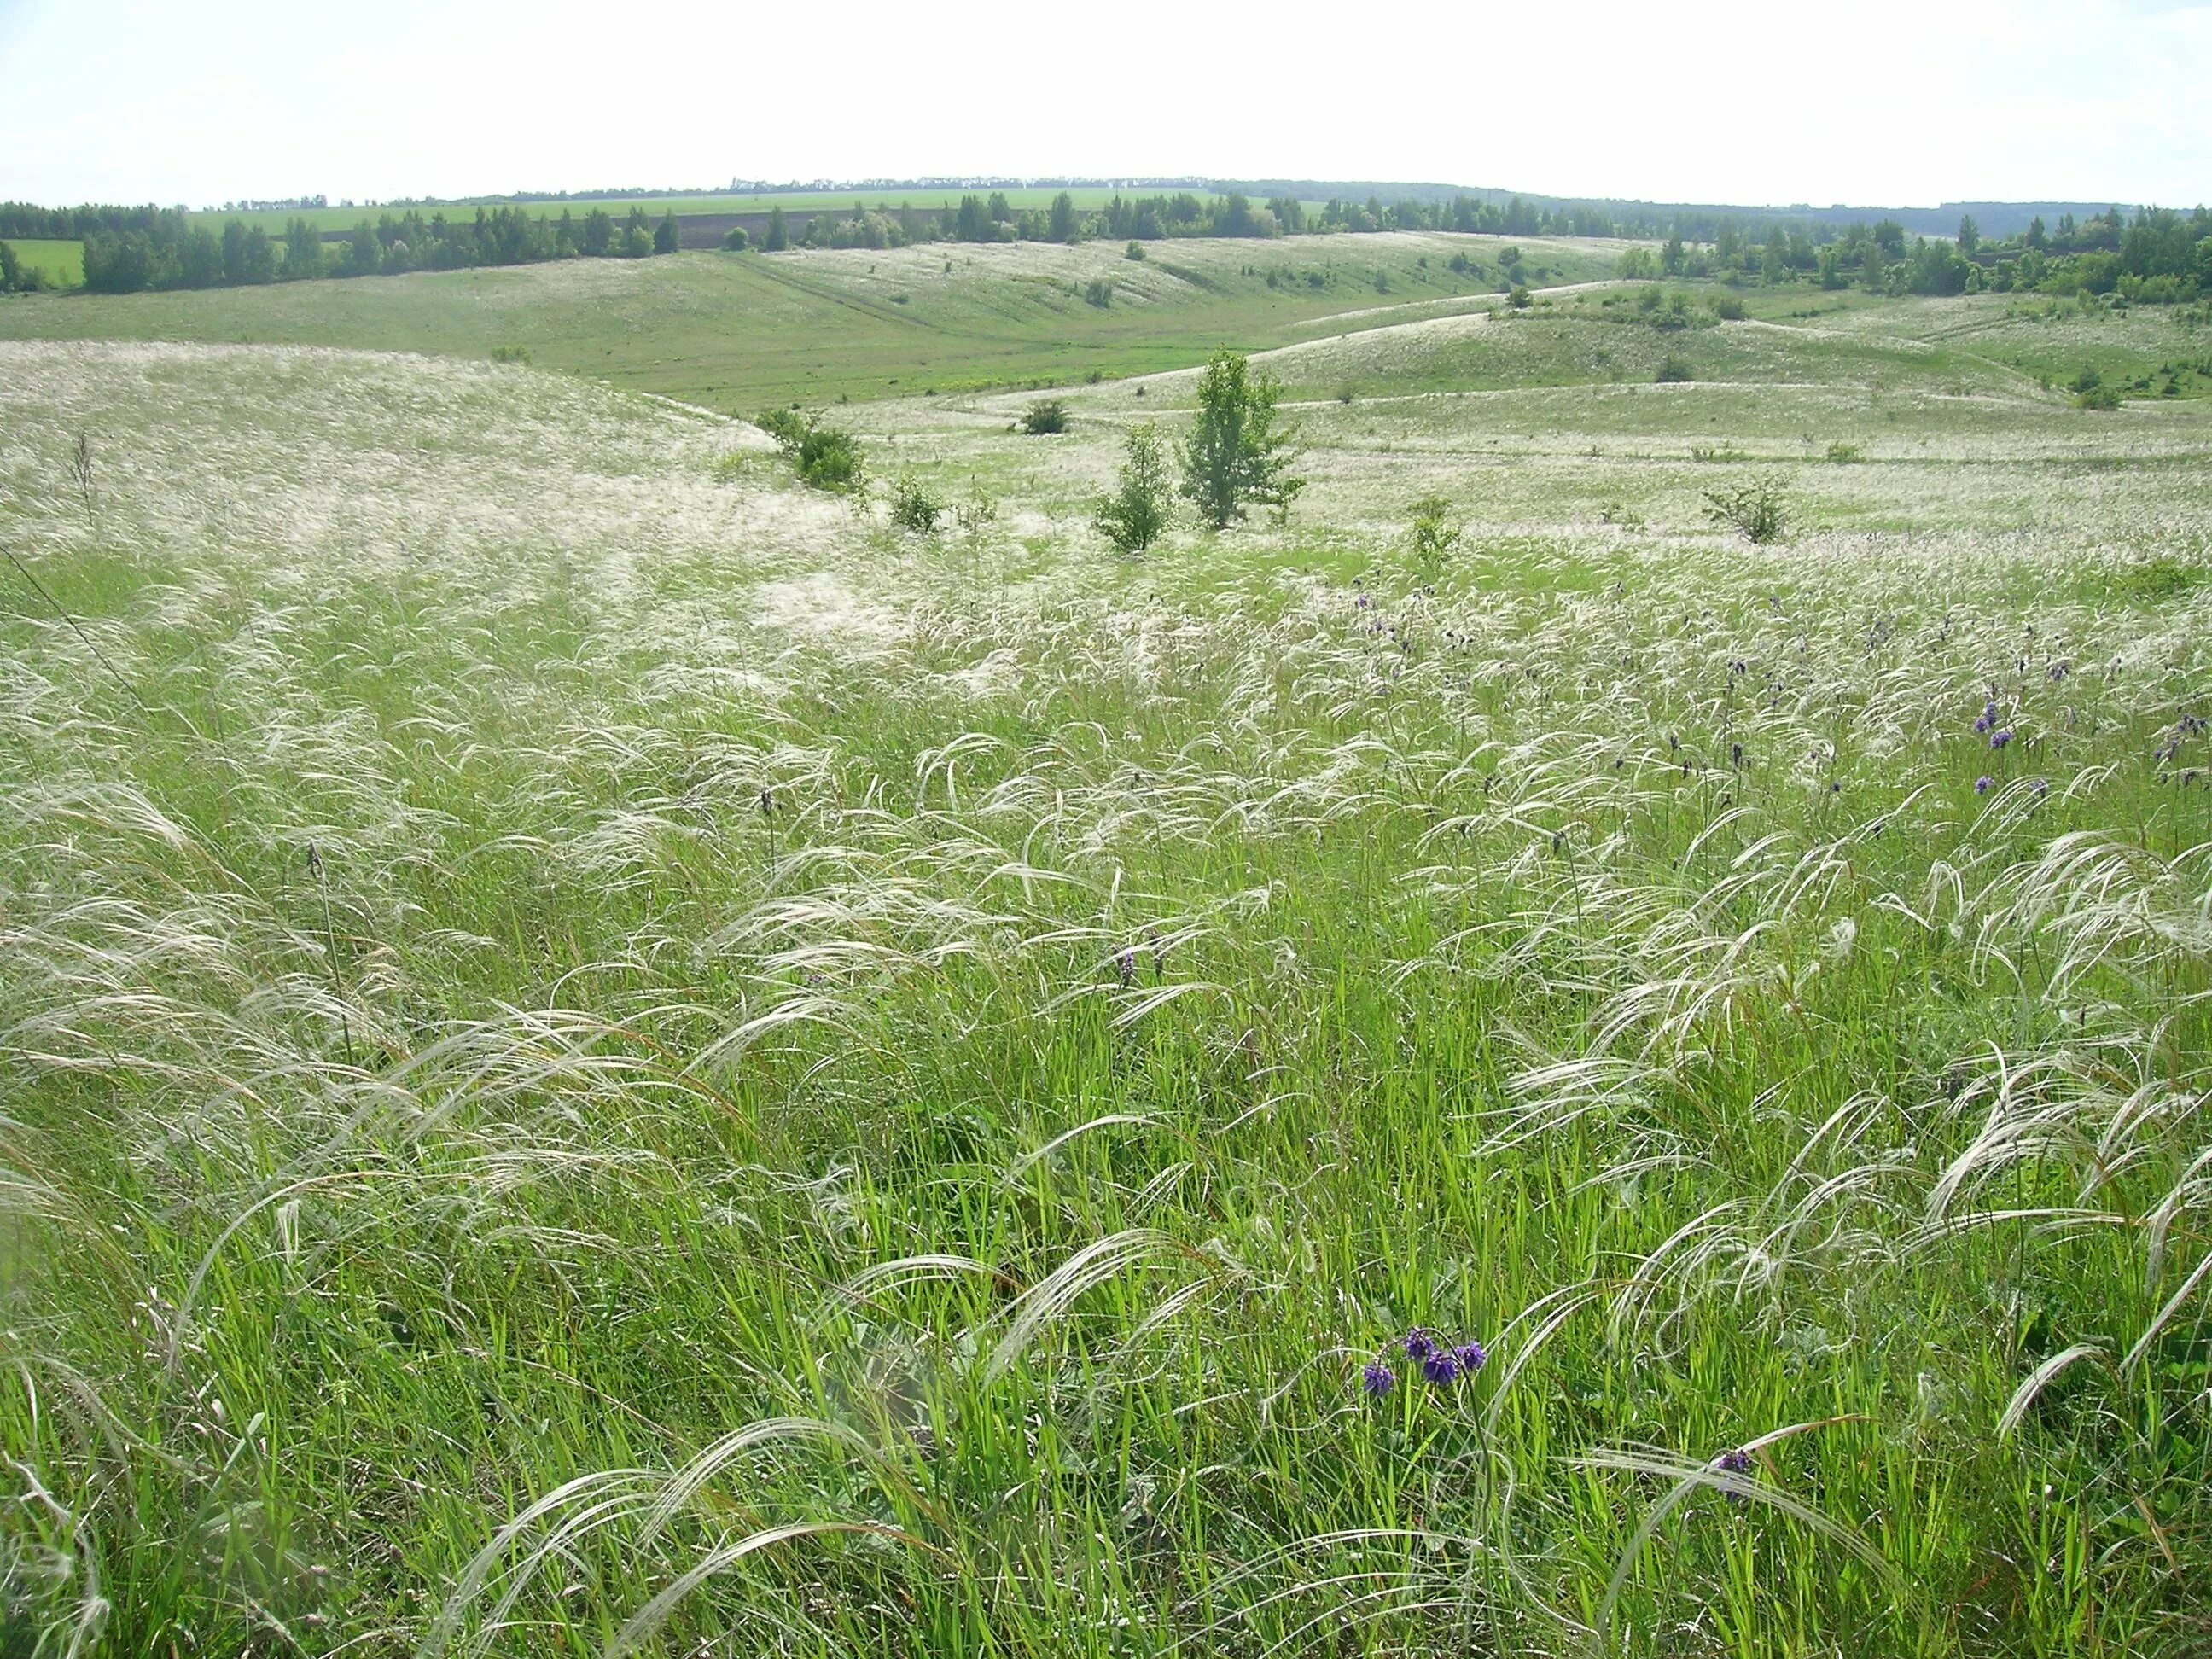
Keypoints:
pixel 693 230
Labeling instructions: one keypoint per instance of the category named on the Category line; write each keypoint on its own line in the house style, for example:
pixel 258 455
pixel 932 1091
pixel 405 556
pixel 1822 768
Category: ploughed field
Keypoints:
pixel 604 1053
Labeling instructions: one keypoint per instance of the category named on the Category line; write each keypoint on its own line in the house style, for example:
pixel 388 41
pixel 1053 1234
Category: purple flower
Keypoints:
pixel 1734 1462
pixel 1472 1357
pixel 1441 1368
pixel 1378 1379
pixel 1983 784
pixel 1981 725
pixel 1419 1345
pixel 1989 711
pixel 1999 739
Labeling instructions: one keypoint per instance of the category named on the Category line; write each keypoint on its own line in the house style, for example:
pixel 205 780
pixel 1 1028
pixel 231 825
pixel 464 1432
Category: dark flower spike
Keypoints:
pixel 1472 1357
pixel 1441 1368
pixel 1377 1379
pixel 1419 1345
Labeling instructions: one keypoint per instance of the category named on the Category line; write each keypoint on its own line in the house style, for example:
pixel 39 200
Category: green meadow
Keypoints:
pixel 605 1053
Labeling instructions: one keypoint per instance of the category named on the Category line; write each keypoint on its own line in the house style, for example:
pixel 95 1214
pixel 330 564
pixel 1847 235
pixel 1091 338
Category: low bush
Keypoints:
pixel 1100 293
pixel 1755 510
pixel 1046 415
pixel 510 354
pixel 826 456
pixel 913 507
pixel 1674 370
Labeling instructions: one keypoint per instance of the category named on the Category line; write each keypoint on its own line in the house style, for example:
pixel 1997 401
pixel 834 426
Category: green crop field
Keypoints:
pixel 63 262
pixel 605 1053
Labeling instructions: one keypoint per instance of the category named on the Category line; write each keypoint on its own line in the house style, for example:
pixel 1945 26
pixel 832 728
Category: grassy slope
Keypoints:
pixel 717 900
pixel 732 332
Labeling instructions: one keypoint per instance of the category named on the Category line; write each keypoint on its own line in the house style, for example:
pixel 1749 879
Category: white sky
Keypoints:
pixel 1874 102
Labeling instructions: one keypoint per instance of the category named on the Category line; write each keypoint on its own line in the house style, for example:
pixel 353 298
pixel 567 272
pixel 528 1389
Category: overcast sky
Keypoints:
pixel 1880 102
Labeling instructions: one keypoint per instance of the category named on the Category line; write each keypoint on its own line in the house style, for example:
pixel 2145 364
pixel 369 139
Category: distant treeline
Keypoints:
pixel 2158 256
pixel 164 249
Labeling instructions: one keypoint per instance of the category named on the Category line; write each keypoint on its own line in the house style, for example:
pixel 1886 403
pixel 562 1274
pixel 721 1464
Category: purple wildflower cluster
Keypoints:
pixel 1440 1363
pixel 1737 1461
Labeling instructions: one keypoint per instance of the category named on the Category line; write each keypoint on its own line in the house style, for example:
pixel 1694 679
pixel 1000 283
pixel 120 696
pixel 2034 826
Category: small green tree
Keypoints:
pixel 665 238
pixel 779 233
pixel 1133 517
pixel 1236 453
pixel 1433 536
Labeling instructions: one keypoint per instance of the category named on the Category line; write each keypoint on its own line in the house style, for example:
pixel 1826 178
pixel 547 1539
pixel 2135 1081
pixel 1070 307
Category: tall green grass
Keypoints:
pixel 604 1054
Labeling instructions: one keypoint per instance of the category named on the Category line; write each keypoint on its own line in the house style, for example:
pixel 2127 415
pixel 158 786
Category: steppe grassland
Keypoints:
pixel 602 1053
pixel 734 332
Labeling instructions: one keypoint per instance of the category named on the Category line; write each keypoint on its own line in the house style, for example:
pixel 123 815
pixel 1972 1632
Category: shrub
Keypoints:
pixel 1047 415
pixel 1134 250
pixel 737 241
pixel 2102 397
pixel 1755 509
pixel 914 507
pixel 1519 298
pixel 510 354
pixel 1728 308
pixel 827 457
pixel 1433 535
pixel 1674 370
pixel 1100 293
pixel 1843 454
pixel 1234 453
pixel 1134 515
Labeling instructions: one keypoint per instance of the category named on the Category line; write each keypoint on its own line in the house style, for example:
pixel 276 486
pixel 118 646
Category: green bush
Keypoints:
pixel 1133 517
pixel 1100 293
pixel 1756 510
pixel 2101 397
pixel 1046 415
pixel 1843 454
pixel 1728 308
pixel 1134 250
pixel 826 456
pixel 510 354
pixel 913 507
pixel 1519 298
pixel 737 241
pixel 1674 370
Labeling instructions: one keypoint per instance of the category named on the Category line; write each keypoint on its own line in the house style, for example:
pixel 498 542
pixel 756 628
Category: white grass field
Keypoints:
pixel 601 1053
